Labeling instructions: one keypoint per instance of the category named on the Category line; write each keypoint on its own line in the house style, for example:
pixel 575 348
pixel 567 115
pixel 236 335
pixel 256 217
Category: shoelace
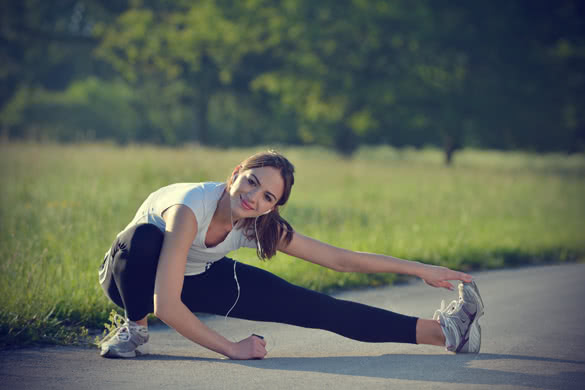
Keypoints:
pixel 452 307
pixel 443 313
pixel 122 329
pixel 118 322
pixel 447 310
pixel 124 333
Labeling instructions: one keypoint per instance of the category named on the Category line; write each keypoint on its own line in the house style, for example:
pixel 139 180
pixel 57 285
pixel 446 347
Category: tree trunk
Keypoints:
pixel 449 147
pixel 345 141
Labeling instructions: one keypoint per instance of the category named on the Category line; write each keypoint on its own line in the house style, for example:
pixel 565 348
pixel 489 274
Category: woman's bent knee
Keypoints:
pixel 141 241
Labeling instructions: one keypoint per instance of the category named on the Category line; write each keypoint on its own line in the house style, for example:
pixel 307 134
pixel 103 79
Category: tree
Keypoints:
pixel 46 46
pixel 339 74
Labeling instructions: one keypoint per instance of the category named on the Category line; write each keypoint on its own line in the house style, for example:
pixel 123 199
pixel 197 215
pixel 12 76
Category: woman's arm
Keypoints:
pixel 181 229
pixel 344 260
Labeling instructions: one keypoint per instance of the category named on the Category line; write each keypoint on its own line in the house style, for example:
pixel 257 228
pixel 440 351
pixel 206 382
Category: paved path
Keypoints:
pixel 533 338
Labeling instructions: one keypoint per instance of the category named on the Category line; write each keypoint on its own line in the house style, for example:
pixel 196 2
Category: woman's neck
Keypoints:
pixel 223 212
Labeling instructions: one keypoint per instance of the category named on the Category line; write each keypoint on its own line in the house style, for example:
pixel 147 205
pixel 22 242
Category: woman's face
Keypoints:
pixel 255 191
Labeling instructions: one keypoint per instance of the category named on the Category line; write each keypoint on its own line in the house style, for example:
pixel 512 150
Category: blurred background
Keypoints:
pixel 339 74
pixel 448 132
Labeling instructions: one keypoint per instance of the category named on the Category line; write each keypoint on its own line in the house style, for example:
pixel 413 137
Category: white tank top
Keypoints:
pixel 202 198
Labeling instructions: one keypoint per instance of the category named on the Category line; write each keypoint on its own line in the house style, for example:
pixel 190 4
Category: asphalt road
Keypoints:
pixel 533 338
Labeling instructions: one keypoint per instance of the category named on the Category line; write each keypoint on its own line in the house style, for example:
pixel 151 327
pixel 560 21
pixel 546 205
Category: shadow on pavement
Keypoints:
pixel 493 369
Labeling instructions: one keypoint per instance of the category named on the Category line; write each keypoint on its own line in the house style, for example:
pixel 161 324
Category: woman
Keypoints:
pixel 170 260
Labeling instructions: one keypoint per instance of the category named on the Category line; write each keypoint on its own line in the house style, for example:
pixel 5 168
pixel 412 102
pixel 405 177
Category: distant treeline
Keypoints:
pixel 492 74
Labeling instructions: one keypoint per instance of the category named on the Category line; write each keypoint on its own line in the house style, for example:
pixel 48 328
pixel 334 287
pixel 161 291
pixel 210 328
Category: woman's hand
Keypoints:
pixel 252 347
pixel 438 276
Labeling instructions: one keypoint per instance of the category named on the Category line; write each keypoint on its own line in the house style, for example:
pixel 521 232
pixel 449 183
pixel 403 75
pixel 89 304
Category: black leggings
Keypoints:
pixel 128 272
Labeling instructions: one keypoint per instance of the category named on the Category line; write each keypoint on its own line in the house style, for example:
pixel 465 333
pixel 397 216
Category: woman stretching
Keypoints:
pixel 170 261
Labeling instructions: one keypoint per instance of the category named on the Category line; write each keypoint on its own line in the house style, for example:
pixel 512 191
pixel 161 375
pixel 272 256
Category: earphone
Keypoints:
pixel 235 262
pixel 236 275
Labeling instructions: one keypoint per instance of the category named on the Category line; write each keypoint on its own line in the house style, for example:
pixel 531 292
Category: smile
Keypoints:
pixel 245 204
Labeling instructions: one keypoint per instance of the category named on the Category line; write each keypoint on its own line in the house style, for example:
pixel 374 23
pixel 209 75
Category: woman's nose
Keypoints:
pixel 254 195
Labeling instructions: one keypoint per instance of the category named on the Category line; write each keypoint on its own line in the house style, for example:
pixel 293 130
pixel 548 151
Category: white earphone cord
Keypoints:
pixel 272 342
pixel 235 273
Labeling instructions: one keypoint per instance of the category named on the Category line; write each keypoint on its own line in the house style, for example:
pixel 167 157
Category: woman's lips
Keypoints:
pixel 245 204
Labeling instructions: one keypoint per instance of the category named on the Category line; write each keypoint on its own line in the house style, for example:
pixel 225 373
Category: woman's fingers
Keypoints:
pixel 444 284
pixel 457 275
pixel 251 347
pixel 258 350
pixel 261 339
pixel 259 347
pixel 438 276
pixel 464 277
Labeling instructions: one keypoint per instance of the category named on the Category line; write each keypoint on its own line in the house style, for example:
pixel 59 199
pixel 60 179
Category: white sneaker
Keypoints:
pixel 460 320
pixel 126 341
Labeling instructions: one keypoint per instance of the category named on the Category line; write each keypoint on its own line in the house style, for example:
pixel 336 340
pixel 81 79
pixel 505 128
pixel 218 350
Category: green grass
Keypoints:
pixel 61 206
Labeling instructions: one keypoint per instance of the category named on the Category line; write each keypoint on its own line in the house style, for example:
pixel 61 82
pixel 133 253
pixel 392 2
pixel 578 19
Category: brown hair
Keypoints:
pixel 271 227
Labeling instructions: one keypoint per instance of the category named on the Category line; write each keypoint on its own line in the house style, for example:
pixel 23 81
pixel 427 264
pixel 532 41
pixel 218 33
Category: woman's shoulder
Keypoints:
pixel 208 189
pixel 201 188
pixel 199 195
pixel 188 193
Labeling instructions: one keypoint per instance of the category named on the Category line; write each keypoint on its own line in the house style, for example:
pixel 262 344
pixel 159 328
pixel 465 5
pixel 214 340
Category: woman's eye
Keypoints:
pixel 250 181
pixel 268 198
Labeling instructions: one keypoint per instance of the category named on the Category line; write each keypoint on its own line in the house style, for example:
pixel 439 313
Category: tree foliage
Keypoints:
pixel 336 73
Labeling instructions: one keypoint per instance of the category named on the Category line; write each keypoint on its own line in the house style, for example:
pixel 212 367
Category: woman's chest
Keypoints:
pixel 214 236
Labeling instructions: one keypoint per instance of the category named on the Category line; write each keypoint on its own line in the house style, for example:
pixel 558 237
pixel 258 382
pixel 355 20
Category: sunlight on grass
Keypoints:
pixel 61 207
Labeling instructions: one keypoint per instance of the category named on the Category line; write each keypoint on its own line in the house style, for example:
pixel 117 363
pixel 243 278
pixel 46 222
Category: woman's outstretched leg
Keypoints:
pixel 266 297
pixel 429 332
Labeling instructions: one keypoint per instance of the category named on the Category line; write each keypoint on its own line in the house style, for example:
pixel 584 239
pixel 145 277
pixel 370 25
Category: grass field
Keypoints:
pixel 61 206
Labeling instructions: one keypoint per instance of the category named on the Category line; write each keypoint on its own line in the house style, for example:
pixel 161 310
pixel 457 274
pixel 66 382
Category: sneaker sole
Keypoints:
pixel 472 288
pixel 113 354
pixel 474 337
pixel 474 343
